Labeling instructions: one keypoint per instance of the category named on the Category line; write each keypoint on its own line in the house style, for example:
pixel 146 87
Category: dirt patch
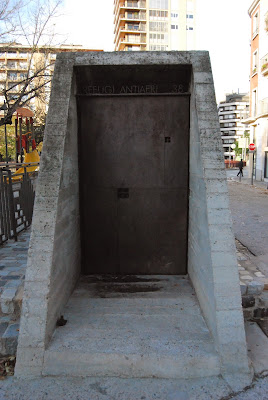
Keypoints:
pixel 119 279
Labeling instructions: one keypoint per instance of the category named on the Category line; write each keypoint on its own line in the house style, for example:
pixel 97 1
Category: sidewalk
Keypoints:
pixel 13 261
pixel 246 179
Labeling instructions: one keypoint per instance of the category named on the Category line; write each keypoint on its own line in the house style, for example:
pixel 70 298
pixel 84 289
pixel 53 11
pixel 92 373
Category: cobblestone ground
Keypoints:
pixel 249 207
pixel 13 260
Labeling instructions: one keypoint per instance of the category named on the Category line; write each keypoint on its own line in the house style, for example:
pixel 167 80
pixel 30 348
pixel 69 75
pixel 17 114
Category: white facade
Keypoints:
pixel 259 87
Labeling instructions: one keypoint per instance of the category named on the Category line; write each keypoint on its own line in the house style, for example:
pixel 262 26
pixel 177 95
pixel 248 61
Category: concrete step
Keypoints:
pixel 117 331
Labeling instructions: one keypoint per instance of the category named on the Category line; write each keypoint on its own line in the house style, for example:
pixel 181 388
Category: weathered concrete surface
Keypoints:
pixel 249 207
pixel 145 327
pixel 69 388
pixel 257 347
pixel 53 264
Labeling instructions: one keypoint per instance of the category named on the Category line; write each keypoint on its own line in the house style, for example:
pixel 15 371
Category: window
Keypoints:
pixel 255 62
pixel 23 65
pixel 163 4
pixel 157 14
pixel 158 48
pixel 174 15
pixel 254 103
pixel 255 24
pixel 174 26
pixel 11 64
pixel 12 76
pixel 158 26
pixel 11 54
pixel 189 16
pixel 189 28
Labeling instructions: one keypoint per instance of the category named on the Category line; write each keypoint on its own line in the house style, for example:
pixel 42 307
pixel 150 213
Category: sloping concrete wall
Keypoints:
pixel 212 263
pixel 54 252
pixel 54 262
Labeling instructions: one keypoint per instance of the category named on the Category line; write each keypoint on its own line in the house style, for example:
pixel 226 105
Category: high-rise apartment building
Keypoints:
pixel 156 25
pixel 232 112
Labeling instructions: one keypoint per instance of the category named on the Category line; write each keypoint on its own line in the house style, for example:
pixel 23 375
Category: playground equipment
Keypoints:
pixel 26 151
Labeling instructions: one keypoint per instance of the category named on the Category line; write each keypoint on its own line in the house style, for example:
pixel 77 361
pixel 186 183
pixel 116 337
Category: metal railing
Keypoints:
pixel 16 201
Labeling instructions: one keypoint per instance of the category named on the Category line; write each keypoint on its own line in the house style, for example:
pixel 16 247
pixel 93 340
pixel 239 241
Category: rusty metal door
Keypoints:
pixel 134 184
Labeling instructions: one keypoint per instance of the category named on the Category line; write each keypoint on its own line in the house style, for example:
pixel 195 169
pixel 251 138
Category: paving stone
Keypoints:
pixel 259 274
pixel 3 327
pixel 247 277
pixel 9 340
pixel 248 301
pixel 7 305
pixel 255 287
pixel 3 273
pixel 7 277
pixel 15 283
pixel 243 288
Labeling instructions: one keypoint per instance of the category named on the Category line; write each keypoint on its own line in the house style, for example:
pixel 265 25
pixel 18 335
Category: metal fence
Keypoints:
pixel 16 203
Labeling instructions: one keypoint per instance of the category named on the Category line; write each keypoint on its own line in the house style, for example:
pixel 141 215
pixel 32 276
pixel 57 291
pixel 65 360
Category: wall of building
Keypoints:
pixel 259 85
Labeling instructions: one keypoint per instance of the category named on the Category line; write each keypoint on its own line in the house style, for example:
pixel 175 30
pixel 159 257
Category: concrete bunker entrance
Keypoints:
pixel 134 168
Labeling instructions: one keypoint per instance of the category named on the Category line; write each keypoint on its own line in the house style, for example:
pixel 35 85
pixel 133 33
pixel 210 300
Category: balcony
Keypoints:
pixel 134 41
pixel 134 28
pixel 133 4
pixel 133 16
pixel 264 65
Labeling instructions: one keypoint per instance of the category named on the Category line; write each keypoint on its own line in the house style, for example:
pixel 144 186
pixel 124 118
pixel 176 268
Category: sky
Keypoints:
pixel 223 29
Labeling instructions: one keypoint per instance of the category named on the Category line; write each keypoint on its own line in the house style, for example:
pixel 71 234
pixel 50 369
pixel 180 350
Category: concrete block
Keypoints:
pixel 29 362
pixel 243 288
pixel 7 304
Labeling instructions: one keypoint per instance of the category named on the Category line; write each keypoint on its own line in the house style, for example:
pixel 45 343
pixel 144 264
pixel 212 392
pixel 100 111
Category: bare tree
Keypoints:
pixel 36 24
pixel 9 17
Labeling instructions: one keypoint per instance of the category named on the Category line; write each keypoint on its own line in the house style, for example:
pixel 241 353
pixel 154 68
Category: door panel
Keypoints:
pixel 153 231
pixel 140 144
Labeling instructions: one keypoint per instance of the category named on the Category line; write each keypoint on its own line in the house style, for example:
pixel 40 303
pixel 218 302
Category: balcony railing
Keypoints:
pixel 264 65
pixel 135 16
pixel 140 28
pixel 134 4
pixel 137 40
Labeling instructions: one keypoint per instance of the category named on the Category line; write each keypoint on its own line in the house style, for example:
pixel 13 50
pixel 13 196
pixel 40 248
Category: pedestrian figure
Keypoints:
pixel 240 166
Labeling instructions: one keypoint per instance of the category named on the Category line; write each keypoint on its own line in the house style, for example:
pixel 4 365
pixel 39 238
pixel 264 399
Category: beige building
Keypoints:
pixel 15 62
pixel 155 25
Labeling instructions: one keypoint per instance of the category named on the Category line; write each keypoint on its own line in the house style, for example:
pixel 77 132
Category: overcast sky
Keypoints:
pixel 223 29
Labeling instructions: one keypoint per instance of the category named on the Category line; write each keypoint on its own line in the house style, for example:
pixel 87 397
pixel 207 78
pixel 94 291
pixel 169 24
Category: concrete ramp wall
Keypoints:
pixel 54 254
